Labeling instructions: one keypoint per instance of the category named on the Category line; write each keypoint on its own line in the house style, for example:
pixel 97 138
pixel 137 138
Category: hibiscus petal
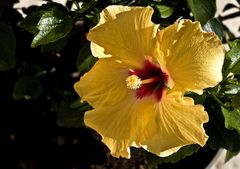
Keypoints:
pixel 180 123
pixel 104 84
pixel 108 14
pixel 124 125
pixel 118 148
pixel 193 58
pixel 127 36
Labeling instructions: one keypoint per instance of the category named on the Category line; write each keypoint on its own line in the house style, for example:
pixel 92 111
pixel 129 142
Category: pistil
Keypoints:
pixel 148 80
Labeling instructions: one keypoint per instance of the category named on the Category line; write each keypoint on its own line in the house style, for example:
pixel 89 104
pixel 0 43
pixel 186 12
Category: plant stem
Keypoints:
pixel 218 101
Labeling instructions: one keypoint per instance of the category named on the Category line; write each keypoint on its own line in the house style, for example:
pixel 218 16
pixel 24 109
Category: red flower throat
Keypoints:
pixel 155 80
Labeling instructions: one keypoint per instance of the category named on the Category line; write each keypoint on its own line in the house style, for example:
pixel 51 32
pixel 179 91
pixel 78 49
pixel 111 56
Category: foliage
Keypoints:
pixel 202 10
pixel 45 52
pixel 8 47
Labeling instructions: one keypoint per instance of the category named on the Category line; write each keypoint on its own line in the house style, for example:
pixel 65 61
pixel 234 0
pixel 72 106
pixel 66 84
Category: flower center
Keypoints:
pixel 133 82
pixel 147 81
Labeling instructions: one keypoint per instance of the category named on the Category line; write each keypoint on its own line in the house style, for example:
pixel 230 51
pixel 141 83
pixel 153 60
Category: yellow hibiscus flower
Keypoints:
pixel 137 86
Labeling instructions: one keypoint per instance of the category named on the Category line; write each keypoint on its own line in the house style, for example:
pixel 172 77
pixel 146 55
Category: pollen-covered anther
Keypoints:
pixel 133 82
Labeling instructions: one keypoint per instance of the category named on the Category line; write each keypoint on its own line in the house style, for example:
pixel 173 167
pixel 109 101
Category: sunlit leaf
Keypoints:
pixel 233 57
pixel 29 23
pixel 52 28
pixel 202 10
pixel 57 45
pixel 165 11
pixel 214 25
pixel 232 89
pixel 48 23
pixel 232 119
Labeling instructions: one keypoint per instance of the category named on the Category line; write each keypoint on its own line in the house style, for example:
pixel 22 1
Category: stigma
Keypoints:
pixel 133 82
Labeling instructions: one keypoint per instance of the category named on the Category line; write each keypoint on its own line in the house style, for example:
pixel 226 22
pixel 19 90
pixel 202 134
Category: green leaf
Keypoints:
pixel 202 10
pixel 165 11
pixel 86 6
pixel 230 155
pixel 27 87
pixel 233 58
pixel 185 151
pixel 117 1
pixel 232 119
pixel 219 136
pixel 213 25
pixel 87 64
pixel 76 104
pixel 232 43
pixel 84 52
pixel 232 89
pixel 93 17
pixel 57 45
pixel 29 23
pixel 236 101
pixel 52 28
pixel 48 23
pixel 72 115
pixel 7 46
pixel 229 34
pixel 85 59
